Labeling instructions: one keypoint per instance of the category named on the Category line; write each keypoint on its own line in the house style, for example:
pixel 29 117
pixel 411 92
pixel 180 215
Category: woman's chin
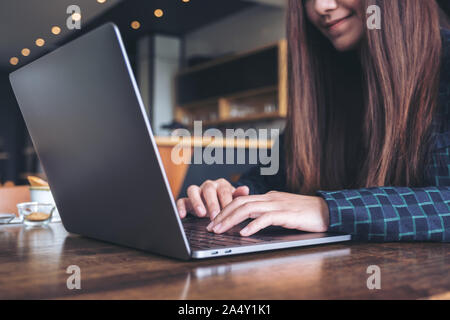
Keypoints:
pixel 348 41
pixel 345 46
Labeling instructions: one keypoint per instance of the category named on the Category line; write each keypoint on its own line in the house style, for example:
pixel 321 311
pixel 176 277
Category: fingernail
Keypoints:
pixel 214 214
pixel 244 231
pixel 201 211
pixel 217 228
pixel 181 212
pixel 209 227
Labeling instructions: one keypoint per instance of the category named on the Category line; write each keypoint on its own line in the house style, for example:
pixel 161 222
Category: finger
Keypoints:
pixel 209 193
pixel 241 191
pixel 181 207
pixel 194 196
pixel 274 218
pixel 233 206
pixel 249 210
pixel 184 207
pixel 225 194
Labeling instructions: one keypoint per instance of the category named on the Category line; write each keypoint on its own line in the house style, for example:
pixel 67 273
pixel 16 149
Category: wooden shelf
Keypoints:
pixel 249 103
pixel 249 118
pixel 238 95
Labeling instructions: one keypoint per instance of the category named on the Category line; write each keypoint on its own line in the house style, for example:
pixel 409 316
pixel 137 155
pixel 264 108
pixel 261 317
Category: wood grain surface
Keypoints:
pixel 33 265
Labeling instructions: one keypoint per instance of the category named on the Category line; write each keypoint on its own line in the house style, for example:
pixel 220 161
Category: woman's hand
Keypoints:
pixel 209 198
pixel 287 210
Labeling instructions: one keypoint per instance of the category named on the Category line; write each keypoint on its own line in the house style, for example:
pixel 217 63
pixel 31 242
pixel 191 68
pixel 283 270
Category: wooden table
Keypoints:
pixel 33 264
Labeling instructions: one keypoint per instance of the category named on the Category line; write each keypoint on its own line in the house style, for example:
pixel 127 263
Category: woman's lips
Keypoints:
pixel 336 24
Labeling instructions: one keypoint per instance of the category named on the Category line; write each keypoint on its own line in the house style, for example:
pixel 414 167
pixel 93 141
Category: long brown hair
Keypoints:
pixel 363 118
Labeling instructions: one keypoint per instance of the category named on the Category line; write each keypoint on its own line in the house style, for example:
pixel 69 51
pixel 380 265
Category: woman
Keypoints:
pixel 367 141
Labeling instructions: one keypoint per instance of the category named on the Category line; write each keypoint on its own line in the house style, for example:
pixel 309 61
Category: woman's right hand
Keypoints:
pixel 210 198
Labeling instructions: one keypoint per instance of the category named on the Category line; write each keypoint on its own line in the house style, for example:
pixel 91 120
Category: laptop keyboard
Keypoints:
pixel 200 238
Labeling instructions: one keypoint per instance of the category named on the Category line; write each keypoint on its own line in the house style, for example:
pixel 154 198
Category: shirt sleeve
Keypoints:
pixel 396 213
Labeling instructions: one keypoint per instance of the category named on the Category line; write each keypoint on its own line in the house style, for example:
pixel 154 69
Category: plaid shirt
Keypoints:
pixel 391 213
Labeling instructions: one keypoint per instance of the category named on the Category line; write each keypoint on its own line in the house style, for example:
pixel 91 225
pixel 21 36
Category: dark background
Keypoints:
pixel 17 158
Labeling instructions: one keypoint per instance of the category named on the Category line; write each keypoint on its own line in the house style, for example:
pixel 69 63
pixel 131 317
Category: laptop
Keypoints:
pixel 83 110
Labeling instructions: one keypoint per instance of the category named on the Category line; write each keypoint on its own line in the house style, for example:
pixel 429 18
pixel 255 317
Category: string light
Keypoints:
pixel 76 16
pixel 14 61
pixel 56 30
pixel 40 42
pixel 135 25
pixel 25 52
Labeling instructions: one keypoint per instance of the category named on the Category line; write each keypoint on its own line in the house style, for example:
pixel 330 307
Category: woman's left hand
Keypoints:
pixel 291 211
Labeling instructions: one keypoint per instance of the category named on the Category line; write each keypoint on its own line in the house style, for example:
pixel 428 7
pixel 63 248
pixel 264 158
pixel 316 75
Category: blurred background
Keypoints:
pixel 219 61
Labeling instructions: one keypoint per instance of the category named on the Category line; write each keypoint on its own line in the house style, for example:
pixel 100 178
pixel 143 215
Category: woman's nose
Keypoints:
pixel 323 7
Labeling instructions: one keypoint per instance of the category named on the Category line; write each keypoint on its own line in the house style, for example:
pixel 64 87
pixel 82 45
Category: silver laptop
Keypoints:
pixel 89 126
